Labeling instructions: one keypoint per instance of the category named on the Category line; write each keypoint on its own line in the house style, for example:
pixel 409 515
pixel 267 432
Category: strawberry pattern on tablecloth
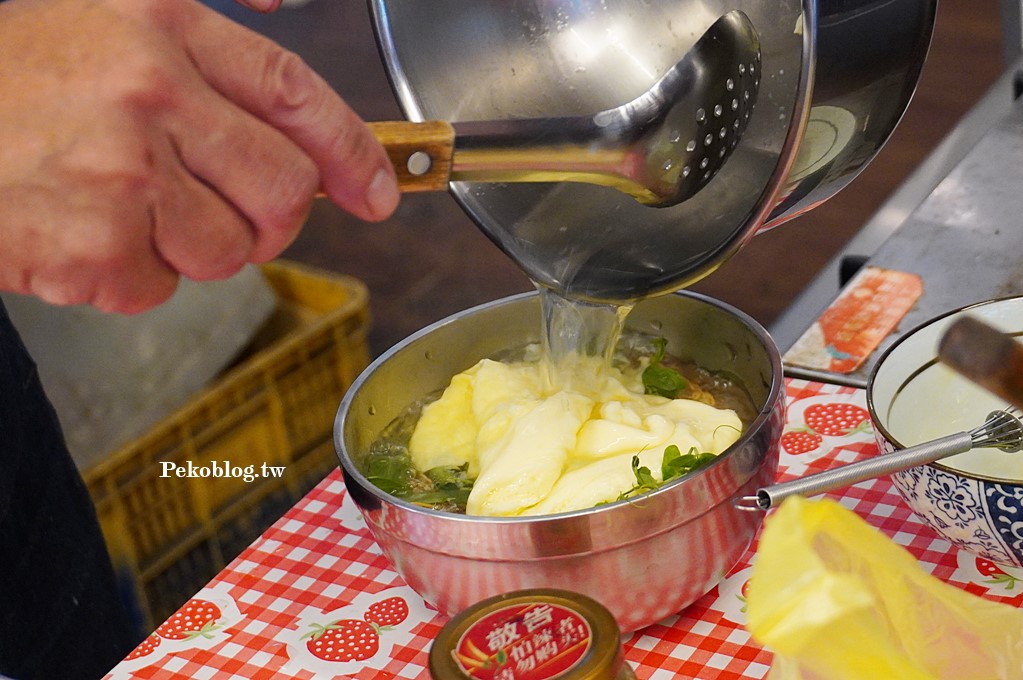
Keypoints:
pixel 204 622
pixel 354 636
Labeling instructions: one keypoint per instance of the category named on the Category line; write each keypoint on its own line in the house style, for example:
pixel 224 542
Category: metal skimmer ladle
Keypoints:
pixel 1002 430
pixel 661 148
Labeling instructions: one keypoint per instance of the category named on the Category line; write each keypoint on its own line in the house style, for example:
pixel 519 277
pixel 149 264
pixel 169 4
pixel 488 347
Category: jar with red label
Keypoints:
pixel 536 634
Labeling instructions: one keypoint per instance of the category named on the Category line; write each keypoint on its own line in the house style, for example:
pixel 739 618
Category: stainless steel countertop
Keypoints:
pixel 957 222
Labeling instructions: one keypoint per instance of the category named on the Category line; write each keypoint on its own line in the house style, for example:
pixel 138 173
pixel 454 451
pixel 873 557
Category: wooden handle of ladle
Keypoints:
pixel 420 152
pixel 985 355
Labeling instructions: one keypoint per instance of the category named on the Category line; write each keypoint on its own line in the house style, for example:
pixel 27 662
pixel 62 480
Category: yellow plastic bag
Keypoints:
pixel 835 599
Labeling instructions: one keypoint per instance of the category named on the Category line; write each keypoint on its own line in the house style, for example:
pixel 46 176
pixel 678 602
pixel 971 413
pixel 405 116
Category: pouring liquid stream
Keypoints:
pixel 574 330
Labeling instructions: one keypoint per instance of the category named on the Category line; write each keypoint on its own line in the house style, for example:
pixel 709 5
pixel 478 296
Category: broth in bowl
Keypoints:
pixel 518 436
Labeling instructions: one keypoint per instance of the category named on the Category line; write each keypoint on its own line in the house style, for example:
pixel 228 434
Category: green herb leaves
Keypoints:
pixel 451 485
pixel 674 464
pixel 390 468
pixel 661 380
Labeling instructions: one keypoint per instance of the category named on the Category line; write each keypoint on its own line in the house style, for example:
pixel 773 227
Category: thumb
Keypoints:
pixel 276 86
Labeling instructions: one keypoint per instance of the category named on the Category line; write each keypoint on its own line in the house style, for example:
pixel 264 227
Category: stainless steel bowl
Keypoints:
pixel 644 559
pixel 836 77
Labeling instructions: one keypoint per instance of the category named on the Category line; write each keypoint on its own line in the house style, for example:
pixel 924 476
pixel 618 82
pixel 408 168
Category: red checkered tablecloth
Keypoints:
pixel 318 564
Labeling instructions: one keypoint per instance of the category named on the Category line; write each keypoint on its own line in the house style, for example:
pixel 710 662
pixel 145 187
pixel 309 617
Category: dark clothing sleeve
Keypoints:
pixel 60 613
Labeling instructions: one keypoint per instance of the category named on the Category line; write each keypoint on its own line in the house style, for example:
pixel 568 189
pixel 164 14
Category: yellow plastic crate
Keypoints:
pixel 168 536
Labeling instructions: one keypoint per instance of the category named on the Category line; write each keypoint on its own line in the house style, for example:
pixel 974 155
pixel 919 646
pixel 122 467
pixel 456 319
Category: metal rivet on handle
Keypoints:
pixel 419 163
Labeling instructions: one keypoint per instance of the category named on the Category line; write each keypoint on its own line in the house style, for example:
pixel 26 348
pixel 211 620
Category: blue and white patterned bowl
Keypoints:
pixel 974 499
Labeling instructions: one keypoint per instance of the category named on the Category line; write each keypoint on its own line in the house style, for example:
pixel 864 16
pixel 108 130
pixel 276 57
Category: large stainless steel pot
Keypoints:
pixel 837 76
pixel 644 559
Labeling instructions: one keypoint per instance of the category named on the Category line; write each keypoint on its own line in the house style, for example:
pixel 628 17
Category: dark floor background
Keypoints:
pixel 429 260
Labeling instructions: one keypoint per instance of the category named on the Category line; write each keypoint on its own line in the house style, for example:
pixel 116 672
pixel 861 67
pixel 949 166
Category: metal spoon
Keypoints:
pixel 661 148
pixel 1002 430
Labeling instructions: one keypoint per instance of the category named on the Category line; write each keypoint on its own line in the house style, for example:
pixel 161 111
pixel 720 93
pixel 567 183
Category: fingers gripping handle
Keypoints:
pixel 420 152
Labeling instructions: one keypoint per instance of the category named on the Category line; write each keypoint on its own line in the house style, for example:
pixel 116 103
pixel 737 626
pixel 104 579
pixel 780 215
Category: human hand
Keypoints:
pixel 143 140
